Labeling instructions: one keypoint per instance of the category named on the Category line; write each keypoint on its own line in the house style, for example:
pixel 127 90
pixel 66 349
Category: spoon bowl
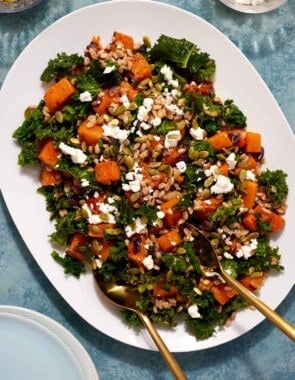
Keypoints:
pixel 209 262
pixel 125 297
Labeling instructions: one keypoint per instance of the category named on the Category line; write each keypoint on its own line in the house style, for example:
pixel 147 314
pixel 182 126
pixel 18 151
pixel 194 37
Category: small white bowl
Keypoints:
pixel 254 6
pixel 10 6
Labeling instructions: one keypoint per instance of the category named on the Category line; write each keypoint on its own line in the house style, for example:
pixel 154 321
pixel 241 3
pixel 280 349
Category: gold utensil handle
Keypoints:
pixel 166 354
pixel 286 327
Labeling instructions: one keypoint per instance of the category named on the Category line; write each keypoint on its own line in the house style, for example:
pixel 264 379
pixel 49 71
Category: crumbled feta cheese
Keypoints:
pixel 247 251
pixel 134 179
pixel 98 262
pixel 174 108
pixel 181 166
pixel 145 126
pixel 77 155
pixel 156 121
pixel 198 133
pixel 144 109
pixel 193 311
pixel 160 214
pixel 108 211
pixel 172 138
pixel 85 96
pixel 213 170
pixel 228 255
pixel 125 101
pixel 109 69
pixel 148 262
pixel 168 76
pixel 250 175
pixel 84 182
pixel 231 161
pixel 115 132
pixel 223 185
pixel 136 227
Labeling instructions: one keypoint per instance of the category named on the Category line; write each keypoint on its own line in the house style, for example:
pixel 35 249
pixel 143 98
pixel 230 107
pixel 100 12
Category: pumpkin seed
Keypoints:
pixel 209 112
pixel 94 265
pixel 74 141
pixel 84 213
pixel 159 87
pixel 153 171
pixel 59 117
pixel 147 41
pixel 203 154
pixel 144 83
pixel 106 153
pixel 134 197
pixel 205 194
pixel 242 175
pixel 181 251
pixel 208 182
pixel 132 106
pixel 113 231
pixel 195 124
pixel 114 150
pixel 250 236
pixel 84 147
pixel 180 124
pixel 198 291
pixel 95 245
pixel 199 162
pixel 133 270
pixel 28 111
pixel 126 150
pixel 163 168
pixel 169 171
pixel 129 161
pixel 193 153
pixel 220 157
pixel 104 217
pixel 256 274
pixel 169 275
pixel 215 243
pixel 154 164
pixel 120 110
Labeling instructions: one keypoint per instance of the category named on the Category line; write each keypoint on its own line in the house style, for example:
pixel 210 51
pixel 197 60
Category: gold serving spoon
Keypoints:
pixel 125 297
pixel 209 262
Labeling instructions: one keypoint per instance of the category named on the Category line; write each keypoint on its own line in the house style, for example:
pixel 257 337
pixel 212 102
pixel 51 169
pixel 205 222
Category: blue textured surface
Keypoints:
pixel 263 353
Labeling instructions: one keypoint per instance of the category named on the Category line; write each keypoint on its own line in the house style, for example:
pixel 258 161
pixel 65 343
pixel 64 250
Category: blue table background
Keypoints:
pixel 264 353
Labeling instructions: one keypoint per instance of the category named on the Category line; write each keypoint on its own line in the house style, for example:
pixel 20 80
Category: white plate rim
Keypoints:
pixel 121 332
pixel 64 336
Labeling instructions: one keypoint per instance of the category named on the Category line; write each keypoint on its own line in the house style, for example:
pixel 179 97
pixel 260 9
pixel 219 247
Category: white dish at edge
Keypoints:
pixel 34 347
pixel 235 79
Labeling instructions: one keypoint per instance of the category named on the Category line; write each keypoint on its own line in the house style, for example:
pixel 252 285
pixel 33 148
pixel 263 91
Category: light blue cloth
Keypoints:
pixel 262 354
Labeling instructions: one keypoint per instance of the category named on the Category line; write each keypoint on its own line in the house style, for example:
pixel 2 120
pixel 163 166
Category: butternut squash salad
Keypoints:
pixel 132 142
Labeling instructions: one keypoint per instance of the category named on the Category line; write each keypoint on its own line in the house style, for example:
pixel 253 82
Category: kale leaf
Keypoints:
pixel 61 66
pixel 173 50
pixel 232 115
pixel 71 266
pixel 275 184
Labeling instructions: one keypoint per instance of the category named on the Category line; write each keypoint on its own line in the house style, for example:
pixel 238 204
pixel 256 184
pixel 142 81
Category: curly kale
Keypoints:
pixel 232 115
pixel 184 56
pixel 70 265
pixel 61 66
pixel 275 184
